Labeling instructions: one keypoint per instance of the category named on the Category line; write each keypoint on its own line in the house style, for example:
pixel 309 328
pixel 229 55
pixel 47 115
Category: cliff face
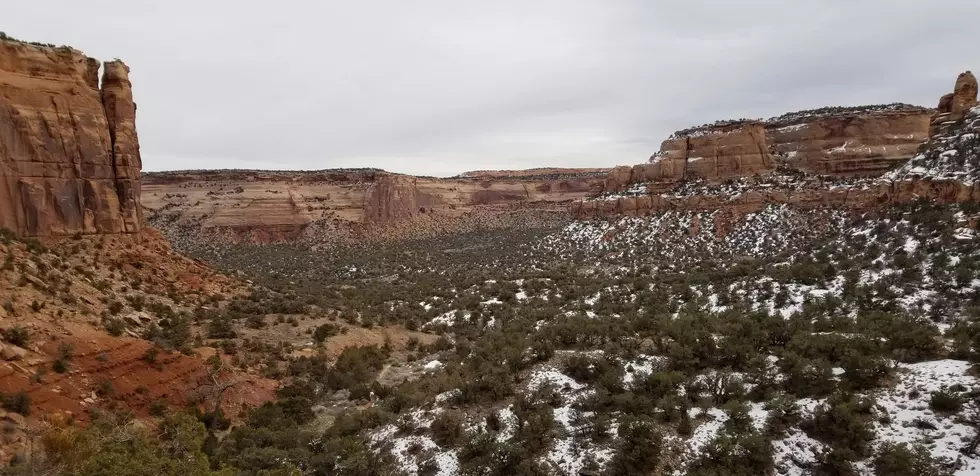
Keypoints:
pixel 952 153
pixel 839 142
pixel 266 206
pixel 69 154
pixel 842 158
pixel 849 143
pixel 718 152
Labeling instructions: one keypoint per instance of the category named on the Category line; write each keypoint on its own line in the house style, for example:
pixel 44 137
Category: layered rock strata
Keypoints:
pixel 69 153
pixel 266 206
pixel 943 167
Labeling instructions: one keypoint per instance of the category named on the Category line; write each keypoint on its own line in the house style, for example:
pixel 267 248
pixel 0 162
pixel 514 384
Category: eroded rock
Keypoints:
pixel 69 155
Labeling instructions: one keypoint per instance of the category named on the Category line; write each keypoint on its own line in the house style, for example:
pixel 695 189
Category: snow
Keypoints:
pixel 794 453
pixel 447 461
pixel 434 365
pixel 908 404
pixel 549 375
pixel 570 456
pixel 639 368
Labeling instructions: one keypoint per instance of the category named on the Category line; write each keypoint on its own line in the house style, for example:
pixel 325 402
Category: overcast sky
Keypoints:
pixel 438 87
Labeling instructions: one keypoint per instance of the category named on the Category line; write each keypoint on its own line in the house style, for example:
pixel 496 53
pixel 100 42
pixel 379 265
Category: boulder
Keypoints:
pixel 15 418
pixel 11 352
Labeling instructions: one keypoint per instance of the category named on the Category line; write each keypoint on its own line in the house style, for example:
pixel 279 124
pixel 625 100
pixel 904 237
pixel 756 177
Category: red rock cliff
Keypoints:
pixel 852 151
pixel 69 154
pixel 839 142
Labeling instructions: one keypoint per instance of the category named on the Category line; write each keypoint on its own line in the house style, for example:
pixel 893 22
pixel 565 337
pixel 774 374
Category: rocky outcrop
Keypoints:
pixel 955 106
pixel 69 153
pixel 952 153
pixel 849 141
pixel 840 142
pixel 822 157
pixel 718 152
pixel 391 198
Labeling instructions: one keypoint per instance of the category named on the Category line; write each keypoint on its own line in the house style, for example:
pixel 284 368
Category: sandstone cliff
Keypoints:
pixel 952 153
pixel 841 142
pixel 323 206
pixel 837 157
pixel 849 141
pixel 69 153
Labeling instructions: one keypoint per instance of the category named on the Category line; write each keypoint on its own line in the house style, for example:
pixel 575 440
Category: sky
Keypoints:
pixel 438 87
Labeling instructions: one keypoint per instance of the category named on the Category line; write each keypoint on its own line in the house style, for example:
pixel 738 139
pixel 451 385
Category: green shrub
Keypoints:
pixel 639 449
pixel 901 460
pixel 945 402
pixel 448 428
pixel 19 402
pixel 843 422
pixel 18 336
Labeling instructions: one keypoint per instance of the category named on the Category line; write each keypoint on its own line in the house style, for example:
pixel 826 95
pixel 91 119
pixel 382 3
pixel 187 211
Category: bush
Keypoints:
pixel 104 388
pixel 843 423
pixel 355 366
pixel 110 446
pixel 221 328
pixel 447 428
pixel 945 402
pixel 735 456
pixel 901 460
pixel 324 331
pixel 18 336
pixel 115 327
pixel 19 402
pixel 639 449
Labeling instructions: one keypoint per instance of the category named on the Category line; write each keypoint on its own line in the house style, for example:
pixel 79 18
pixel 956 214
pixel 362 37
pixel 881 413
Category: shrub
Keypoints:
pixel 447 428
pixel 639 449
pixel 159 407
pixel 19 402
pixel 221 328
pixel 842 423
pixel 18 336
pixel 115 327
pixel 104 388
pixel 945 402
pixel 324 331
pixel 901 460
pixel 735 456
pixel 66 352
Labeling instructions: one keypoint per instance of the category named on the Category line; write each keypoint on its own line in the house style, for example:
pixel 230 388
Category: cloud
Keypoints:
pixel 442 86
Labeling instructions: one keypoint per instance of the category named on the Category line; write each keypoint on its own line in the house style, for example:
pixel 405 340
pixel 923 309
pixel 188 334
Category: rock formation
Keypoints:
pixel 69 154
pixel 267 206
pixel 952 153
pixel 841 142
pixel 391 198
pixel 849 141
pixel 855 158
pixel 954 106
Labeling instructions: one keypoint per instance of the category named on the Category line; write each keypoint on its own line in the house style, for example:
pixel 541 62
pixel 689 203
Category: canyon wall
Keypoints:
pixel 268 206
pixel 69 153
pixel 849 141
pixel 838 142
pixel 855 158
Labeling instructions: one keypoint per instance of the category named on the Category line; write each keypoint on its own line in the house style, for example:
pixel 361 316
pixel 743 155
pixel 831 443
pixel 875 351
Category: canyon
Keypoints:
pixel 759 270
pixel 69 154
